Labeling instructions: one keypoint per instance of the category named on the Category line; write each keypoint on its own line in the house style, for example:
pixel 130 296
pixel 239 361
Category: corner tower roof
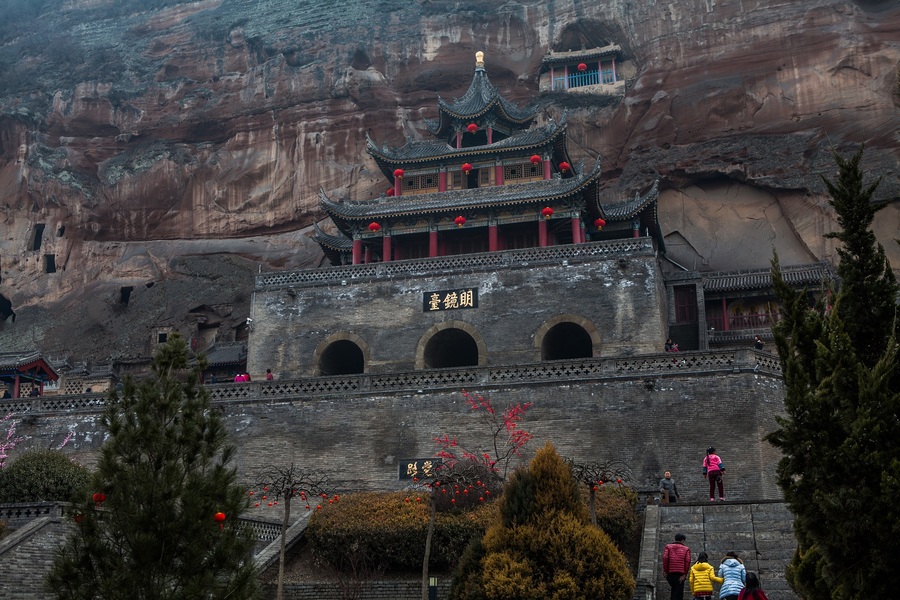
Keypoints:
pixel 481 102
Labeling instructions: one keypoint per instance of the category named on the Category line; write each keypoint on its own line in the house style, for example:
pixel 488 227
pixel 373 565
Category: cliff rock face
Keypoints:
pixel 178 148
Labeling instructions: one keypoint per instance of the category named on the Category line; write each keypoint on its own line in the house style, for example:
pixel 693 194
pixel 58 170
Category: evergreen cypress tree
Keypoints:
pixel 840 471
pixel 543 545
pixel 149 529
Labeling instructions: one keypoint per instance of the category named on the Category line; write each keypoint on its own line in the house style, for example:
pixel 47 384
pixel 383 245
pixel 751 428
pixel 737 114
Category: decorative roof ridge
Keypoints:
pixel 821 266
pixel 635 205
pixel 339 241
pixel 552 56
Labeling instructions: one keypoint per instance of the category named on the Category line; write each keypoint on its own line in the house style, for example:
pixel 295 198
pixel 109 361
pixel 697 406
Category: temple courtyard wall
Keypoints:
pixel 652 412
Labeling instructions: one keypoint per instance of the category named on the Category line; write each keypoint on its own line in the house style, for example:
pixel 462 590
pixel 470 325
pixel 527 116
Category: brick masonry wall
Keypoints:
pixel 27 564
pixel 652 424
pixel 376 590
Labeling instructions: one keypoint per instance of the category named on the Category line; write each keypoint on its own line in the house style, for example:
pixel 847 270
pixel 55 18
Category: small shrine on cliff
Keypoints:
pixel 491 180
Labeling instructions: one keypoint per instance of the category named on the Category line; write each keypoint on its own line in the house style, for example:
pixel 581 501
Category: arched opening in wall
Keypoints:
pixel 451 348
pixel 342 357
pixel 566 340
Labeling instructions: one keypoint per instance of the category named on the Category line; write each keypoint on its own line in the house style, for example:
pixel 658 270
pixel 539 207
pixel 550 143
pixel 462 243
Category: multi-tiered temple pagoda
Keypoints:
pixel 491 180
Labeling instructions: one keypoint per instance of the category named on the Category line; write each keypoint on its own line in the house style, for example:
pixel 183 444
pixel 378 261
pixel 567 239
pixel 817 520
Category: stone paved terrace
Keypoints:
pixel 586 369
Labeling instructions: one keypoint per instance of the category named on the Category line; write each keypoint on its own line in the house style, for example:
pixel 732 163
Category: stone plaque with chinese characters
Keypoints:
pixel 419 467
pixel 450 299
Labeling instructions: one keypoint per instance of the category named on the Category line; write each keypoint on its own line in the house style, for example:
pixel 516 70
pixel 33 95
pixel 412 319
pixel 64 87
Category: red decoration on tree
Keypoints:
pixel 460 221
pixel 374 227
pixel 78 518
pixel 535 159
pixel 466 168
pixel 564 166
pixel 398 173
pixel 547 212
pixel 390 191
pixel 600 223
pixel 219 518
pixel 582 67
pixel 98 498
pixel 472 128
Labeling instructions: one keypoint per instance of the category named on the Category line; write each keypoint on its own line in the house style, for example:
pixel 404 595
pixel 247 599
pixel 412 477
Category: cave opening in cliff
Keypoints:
pixel 6 310
pixel 37 236
pixel 566 341
pixel 125 294
pixel 343 357
pixel 49 263
pixel 451 348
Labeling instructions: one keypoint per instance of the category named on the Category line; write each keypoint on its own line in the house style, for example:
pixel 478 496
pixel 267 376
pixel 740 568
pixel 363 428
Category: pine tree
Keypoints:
pixel 543 545
pixel 162 519
pixel 840 471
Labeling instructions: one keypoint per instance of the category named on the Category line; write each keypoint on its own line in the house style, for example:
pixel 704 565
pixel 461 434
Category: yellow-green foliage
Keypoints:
pixel 549 551
pixel 390 531
pixel 617 514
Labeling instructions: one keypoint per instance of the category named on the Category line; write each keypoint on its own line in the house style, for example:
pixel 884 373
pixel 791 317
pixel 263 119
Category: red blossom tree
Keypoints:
pixel 595 475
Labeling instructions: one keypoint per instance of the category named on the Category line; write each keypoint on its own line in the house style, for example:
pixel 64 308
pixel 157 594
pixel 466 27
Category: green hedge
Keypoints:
pixel 390 529
pixel 42 476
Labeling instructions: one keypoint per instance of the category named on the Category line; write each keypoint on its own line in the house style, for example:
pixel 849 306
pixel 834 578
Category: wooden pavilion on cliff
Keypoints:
pixel 20 373
pixel 491 181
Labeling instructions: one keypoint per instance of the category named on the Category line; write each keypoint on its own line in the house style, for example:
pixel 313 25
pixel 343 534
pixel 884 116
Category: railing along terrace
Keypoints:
pixel 485 261
pixel 585 369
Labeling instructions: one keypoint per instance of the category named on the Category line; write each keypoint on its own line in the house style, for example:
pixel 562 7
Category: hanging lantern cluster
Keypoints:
pixel 564 166
pixel 460 221
pixel 472 128
pixel 547 212
pixel 398 173
pixel 582 67
pixel 390 191
pixel 466 168
pixel 219 518
pixel 374 227
pixel 600 223
pixel 535 159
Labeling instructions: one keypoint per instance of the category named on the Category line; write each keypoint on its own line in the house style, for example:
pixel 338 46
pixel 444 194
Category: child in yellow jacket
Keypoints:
pixel 702 577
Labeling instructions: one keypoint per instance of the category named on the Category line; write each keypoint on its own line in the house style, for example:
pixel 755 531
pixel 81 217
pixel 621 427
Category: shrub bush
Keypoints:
pixel 391 531
pixel 42 475
pixel 617 514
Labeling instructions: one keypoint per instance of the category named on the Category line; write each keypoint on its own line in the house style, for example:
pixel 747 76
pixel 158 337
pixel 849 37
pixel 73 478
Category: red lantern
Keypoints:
pixel 98 498
pixel 466 168
pixel 564 166
pixel 547 212
pixel 472 128
pixel 600 223
pixel 460 221
pixel 398 173
pixel 374 227
pixel 582 67
pixel 390 191
pixel 219 518
pixel 535 159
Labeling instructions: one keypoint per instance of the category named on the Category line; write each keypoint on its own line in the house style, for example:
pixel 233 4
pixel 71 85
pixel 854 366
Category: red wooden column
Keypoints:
pixel 498 175
pixel 459 139
pixel 493 238
pixel 357 251
pixel 433 243
pixel 635 227
pixel 614 68
pixel 490 134
pixel 398 186
pixel 386 248
pixel 542 233
pixel 16 387
pixel 547 168
pixel 442 181
pixel 724 314
pixel 576 230
pixel 368 255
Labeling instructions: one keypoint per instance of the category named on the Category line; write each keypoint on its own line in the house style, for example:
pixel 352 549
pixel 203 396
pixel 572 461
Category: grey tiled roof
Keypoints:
pixel 339 243
pixel 626 210
pixel 483 197
pixel 481 97
pixel 418 151
pixel 12 361
pixel 555 58
pixel 759 279
pixel 226 354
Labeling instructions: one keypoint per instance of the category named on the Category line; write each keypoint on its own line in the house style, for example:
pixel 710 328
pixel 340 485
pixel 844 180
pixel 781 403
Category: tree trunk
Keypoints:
pixel 427 552
pixel 279 595
pixel 593 504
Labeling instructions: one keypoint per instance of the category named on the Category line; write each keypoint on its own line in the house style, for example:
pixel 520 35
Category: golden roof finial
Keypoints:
pixel 479 59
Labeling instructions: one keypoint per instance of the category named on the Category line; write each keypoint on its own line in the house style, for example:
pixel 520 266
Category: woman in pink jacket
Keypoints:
pixel 713 469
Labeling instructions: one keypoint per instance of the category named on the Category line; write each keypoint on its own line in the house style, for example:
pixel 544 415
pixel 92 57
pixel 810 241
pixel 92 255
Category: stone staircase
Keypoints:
pixel 761 533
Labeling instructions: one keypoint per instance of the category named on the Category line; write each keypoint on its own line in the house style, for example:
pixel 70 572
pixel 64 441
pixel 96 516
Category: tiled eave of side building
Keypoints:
pixel 551 136
pixel 562 58
pixel 815 275
pixel 29 364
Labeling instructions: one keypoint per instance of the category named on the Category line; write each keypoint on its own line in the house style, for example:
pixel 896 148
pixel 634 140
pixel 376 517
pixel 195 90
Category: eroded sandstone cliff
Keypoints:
pixel 177 148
